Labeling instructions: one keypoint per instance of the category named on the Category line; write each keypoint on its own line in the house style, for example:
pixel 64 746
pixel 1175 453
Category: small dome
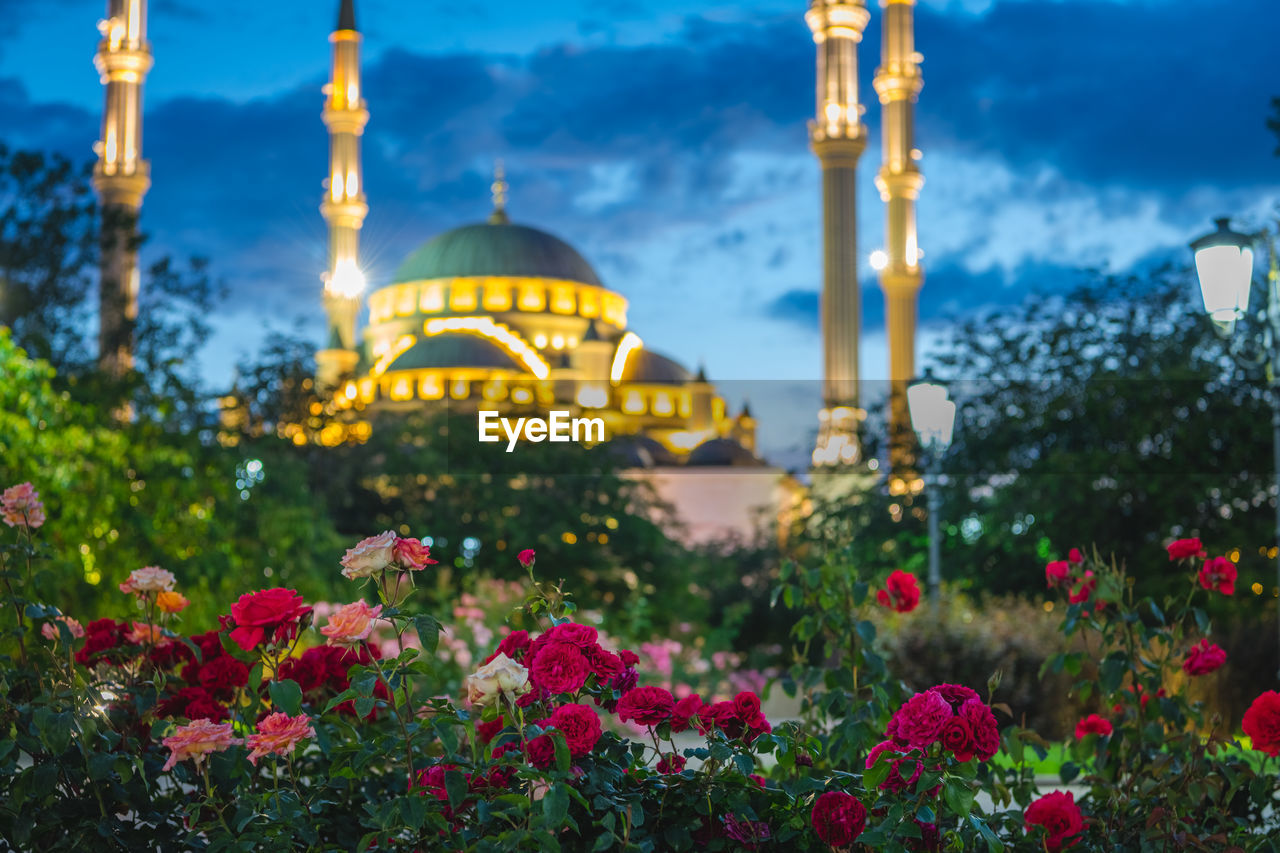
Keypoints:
pixel 446 351
pixel 639 451
pixel 647 366
pixel 723 452
pixel 500 249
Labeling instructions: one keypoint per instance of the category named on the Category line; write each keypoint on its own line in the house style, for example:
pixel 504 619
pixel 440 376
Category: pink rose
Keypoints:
pixel 1057 573
pixel 1075 557
pixel 894 781
pixel 148 579
pixel 370 556
pixel 198 739
pixel 278 734
pixel 50 629
pixel 838 818
pixel 526 557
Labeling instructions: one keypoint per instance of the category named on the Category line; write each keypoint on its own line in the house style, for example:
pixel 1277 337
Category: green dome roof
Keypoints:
pixel 496 249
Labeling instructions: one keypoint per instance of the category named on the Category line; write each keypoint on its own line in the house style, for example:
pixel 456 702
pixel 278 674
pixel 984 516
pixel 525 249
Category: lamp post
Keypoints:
pixel 1224 266
pixel 933 418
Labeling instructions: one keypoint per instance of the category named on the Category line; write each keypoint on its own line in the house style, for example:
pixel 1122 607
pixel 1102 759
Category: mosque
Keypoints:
pixel 505 316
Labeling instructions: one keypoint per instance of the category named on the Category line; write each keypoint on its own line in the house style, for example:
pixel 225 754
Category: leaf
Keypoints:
pixel 287 696
pixel 428 628
pixel 455 786
pixel 555 805
pixel 994 844
pixel 959 797
pixel 364 706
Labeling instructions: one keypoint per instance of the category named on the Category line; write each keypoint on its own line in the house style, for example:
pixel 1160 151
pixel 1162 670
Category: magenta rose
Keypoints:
pixel 1057 573
pixel 647 706
pixel 1220 574
pixel 560 668
pixel 1185 549
pixel 894 781
pixel 1204 657
pixel 983 729
pixel 901 592
pixel 580 726
pixel 838 818
pixel 685 710
pixel 957 737
pixel 920 719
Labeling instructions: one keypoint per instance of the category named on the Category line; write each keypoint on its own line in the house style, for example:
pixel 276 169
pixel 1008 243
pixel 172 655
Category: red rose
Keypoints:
pixel 1185 549
pixel 671 764
pixel 206 708
pixel 957 737
pixel 1262 723
pixel 580 726
pixel 1057 573
pixel 1075 557
pixel 1220 574
pixel 1204 657
pixel 526 557
pixel 488 731
pixel 920 719
pixel 1093 725
pixel 685 710
pixel 101 636
pixel 1060 817
pixel 901 592
pixel 1084 588
pixel 838 818
pixel 267 615
pixel 222 675
pixel 560 668
pixel 647 706
pixel 629 658
pixel 541 752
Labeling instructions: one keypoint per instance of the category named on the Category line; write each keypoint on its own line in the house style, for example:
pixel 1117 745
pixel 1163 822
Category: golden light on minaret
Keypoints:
pixel 344 208
pixel 898 82
pixel 838 138
pixel 121 176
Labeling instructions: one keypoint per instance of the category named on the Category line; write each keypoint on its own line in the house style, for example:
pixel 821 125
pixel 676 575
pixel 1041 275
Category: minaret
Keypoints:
pixel 838 138
pixel 344 208
pixel 121 177
pixel 898 82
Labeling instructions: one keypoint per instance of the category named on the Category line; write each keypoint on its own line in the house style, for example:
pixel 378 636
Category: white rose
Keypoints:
pixel 500 676
pixel 370 556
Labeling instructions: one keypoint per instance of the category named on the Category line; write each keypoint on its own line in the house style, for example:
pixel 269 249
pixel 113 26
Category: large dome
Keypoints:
pixel 499 249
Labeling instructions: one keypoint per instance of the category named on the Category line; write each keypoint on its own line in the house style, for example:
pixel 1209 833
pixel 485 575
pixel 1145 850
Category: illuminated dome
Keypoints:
pixel 723 452
pixel 500 249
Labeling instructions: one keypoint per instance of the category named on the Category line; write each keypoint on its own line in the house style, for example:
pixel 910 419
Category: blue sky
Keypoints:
pixel 666 140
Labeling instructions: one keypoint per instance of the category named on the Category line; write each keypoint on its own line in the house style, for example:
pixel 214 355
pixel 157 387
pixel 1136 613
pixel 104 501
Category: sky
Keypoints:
pixel 667 142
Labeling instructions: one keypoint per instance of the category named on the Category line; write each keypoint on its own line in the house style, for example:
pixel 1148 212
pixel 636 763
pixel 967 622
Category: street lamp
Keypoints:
pixel 1224 265
pixel 933 417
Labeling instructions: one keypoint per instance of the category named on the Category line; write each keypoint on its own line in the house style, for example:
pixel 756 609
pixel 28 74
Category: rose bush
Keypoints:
pixel 267 732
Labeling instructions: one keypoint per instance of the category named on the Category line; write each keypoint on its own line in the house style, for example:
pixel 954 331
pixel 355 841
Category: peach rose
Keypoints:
pixel 370 556
pixel 412 555
pixel 198 739
pixel 499 677
pixel 148 579
pixel 351 623
pixel 20 506
pixel 171 602
pixel 278 734
pixel 50 628
pixel 144 633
